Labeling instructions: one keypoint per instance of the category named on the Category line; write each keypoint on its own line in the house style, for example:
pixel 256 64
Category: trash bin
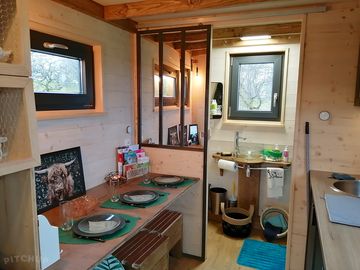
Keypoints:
pixel 217 195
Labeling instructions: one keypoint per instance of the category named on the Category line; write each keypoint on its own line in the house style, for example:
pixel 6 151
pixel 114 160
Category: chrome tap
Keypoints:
pixel 238 139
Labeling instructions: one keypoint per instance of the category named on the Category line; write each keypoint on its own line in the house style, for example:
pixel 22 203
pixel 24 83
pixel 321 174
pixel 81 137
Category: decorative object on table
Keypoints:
pixel 59 177
pixel 132 161
pixel 48 242
pixel 274 223
pixel 193 134
pixel 139 197
pixel 236 222
pixel 163 196
pixel 262 255
pixel 66 215
pixel 173 138
pixel 99 225
pixel 109 263
pixel 3 148
pixel 72 238
pixel 113 185
pixel 185 135
pixel 84 205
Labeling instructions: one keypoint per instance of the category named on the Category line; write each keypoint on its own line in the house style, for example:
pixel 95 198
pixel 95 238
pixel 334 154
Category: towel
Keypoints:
pixel 275 182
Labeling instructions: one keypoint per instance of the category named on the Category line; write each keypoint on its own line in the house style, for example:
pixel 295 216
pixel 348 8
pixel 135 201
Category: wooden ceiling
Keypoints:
pixel 127 14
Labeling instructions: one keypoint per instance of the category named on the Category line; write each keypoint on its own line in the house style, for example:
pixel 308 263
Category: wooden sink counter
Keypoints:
pixel 340 243
pixel 252 161
pixel 86 256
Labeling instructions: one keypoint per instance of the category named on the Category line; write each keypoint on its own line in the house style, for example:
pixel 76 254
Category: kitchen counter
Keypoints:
pixel 340 243
pixel 87 256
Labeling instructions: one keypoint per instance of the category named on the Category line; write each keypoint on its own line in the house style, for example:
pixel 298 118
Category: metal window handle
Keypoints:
pixel 49 45
pixel 275 99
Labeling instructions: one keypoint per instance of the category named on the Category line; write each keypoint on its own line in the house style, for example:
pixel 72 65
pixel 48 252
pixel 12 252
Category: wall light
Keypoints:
pixel 246 38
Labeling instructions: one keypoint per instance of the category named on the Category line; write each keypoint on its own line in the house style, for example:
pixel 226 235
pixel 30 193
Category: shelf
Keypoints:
pixel 17 124
pixel 14 37
pixel 18 230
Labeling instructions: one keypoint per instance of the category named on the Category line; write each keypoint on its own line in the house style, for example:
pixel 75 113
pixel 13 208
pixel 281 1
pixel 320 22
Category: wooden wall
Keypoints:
pixel 329 78
pixel 98 136
pixel 187 163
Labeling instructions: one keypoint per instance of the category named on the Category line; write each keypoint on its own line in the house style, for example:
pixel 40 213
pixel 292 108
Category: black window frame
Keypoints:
pixel 83 52
pixel 277 58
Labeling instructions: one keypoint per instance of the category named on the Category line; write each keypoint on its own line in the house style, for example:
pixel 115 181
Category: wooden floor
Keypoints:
pixel 222 252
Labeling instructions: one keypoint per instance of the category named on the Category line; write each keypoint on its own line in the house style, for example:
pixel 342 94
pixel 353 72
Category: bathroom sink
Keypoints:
pixel 351 187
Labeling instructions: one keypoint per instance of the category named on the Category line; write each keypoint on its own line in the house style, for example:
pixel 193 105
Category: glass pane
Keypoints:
pixel 55 74
pixel 255 84
pixel 169 86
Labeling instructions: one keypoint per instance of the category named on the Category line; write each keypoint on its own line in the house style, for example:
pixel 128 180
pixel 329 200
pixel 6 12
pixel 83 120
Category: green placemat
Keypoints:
pixel 185 183
pixel 120 206
pixel 68 238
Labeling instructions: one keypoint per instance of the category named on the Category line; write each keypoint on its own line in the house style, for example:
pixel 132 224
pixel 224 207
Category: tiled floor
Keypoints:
pixel 222 252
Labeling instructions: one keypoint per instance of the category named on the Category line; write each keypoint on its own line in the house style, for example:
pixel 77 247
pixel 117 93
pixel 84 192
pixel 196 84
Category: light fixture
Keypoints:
pixel 246 38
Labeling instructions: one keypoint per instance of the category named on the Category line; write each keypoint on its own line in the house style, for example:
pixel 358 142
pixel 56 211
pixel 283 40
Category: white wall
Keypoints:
pixel 98 136
pixel 222 136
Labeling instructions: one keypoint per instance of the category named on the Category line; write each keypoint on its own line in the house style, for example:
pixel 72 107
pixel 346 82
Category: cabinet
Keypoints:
pixel 19 248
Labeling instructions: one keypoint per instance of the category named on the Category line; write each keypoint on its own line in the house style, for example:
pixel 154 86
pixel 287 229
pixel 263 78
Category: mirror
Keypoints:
pixel 172 86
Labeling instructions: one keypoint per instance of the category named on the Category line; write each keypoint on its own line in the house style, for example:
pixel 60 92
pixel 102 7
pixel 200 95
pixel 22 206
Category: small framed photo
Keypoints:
pixel 185 136
pixel 173 138
pixel 193 134
pixel 59 177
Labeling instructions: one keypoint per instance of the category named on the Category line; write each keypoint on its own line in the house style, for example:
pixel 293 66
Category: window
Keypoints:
pixel 255 87
pixel 63 73
pixel 171 86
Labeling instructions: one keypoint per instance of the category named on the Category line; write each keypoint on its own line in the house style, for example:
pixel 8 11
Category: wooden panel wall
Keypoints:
pixel 97 135
pixel 187 163
pixel 329 78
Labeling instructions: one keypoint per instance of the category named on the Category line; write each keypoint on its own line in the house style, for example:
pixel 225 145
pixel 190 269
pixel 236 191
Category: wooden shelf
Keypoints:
pixel 17 124
pixel 15 22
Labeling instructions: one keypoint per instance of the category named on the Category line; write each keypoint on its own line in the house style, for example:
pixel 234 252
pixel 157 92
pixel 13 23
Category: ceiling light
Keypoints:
pixel 245 38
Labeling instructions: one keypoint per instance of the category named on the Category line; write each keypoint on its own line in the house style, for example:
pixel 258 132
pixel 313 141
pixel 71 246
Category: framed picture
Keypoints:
pixel 59 177
pixel 357 88
pixel 193 134
pixel 173 138
pixel 185 136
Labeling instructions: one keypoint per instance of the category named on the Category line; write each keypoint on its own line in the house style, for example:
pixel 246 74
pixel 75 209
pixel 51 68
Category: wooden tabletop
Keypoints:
pixel 254 161
pixel 87 256
pixel 340 243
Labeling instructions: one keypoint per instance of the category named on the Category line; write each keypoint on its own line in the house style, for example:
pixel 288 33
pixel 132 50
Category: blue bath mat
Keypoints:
pixel 262 255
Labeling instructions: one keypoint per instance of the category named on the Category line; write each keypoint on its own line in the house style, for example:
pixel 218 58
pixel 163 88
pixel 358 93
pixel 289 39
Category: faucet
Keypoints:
pixel 238 138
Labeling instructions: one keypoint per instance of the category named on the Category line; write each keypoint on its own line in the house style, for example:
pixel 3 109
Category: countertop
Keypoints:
pixel 86 256
pixel 340 243
pixel 252 161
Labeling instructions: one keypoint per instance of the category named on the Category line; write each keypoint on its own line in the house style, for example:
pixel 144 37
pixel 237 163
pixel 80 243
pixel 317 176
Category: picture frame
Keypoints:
pixel 170 86
pixel 185 134
pixel 194 133
pixel 173 138
pixel 59 177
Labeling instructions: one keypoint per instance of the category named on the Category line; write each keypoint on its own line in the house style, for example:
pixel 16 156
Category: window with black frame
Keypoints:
pixel 255 87
pixel 62 72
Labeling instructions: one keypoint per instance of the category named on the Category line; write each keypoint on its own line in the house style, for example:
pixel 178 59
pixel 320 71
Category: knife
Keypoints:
pixel 90 238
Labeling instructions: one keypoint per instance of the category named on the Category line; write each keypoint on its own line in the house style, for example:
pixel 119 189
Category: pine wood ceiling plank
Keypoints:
pixel 96 10
pixel 191 46
pixel 176 37
pixel 156 7
pixel 271 29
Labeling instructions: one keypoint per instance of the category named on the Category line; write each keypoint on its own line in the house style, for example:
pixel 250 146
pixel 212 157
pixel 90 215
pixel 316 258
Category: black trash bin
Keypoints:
pixel 217 195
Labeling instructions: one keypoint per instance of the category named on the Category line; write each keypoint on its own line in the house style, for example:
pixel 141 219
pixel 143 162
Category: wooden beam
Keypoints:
pixel 156 7
pixel 96 10
pixel 176 37
pixel 191 46
pixel 198 52
pixel 236 42
pixel 270 29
